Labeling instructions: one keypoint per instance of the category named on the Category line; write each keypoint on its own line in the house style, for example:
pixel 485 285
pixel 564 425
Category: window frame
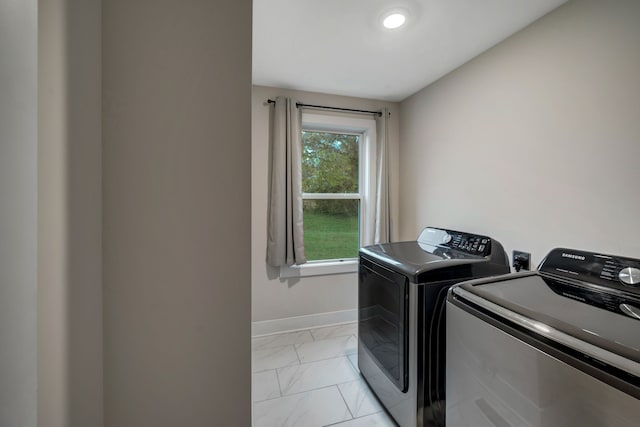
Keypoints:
pixel 347 124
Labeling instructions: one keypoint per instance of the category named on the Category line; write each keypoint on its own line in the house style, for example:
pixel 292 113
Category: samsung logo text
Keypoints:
pixel 573 256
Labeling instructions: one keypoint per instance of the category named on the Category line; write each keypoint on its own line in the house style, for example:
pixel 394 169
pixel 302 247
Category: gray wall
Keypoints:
pixel 535 142
pixel 177 209
pixel 69 214
pixel 274 298
pixel 18 212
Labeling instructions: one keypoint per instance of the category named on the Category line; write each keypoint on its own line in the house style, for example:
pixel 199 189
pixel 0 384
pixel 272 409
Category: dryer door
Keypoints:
pixel 383 298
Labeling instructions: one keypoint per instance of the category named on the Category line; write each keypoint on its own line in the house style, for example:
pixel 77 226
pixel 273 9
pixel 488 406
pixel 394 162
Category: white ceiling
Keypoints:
pixel 340 46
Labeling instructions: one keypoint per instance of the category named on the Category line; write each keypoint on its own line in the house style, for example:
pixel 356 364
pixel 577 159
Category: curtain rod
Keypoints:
pixel 324 107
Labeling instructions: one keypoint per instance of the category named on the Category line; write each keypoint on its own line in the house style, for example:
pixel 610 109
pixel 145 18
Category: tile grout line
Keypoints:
pixel 345 402
pixel 347 362
pixel 297 355
pixel 281 395
pixel 301 392
pixel 307 391
pixel 275 349
pixel 343 355
pixel 294 331
pixel 268 345
pixel 279 386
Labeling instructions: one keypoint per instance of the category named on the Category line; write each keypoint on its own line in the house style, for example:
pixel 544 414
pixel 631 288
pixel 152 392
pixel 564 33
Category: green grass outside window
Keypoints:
pixel 330 236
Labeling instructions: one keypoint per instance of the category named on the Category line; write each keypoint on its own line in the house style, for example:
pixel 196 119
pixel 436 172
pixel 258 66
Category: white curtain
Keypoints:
pixel 382 224
pixel 285 240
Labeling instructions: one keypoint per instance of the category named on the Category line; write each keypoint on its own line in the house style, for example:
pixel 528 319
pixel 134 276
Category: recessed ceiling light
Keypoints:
pixel 394 20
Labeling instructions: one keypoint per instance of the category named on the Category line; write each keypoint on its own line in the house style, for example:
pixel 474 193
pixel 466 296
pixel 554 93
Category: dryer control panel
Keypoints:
pixel 469 243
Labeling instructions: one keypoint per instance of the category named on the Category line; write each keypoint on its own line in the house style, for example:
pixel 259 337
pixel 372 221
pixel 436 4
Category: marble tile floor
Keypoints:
pixel 310 378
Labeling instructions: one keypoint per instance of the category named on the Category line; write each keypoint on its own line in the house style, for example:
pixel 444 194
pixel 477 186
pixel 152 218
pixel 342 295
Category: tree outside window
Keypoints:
pixel 332 197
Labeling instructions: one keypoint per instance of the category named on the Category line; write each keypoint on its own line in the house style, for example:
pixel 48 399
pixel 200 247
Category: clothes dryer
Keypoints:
pixel 402 287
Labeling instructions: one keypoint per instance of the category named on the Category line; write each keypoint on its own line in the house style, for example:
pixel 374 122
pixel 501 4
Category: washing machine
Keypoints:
pixel 557 347
pixel 402 288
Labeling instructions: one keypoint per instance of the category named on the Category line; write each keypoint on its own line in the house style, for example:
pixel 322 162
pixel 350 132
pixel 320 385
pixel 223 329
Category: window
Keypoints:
pixel 338 158
pixel 331 194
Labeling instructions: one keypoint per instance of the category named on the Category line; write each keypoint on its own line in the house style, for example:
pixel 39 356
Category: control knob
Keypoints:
pixel 629 276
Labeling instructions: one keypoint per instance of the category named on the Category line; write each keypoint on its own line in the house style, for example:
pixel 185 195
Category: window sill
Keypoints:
pixel 320 268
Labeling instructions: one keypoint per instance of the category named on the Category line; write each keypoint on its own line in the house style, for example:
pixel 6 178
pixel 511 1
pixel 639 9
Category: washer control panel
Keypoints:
pixel 617 302
pixel 605 270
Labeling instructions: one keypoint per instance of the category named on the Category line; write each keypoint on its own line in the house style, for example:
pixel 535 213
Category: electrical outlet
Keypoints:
pixel 521 260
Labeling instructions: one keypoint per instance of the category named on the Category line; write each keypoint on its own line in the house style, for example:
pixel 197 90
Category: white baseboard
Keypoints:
pixel 289 324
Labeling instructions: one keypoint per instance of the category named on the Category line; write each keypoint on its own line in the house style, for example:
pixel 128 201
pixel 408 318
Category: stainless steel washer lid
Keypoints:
pixel 541 305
